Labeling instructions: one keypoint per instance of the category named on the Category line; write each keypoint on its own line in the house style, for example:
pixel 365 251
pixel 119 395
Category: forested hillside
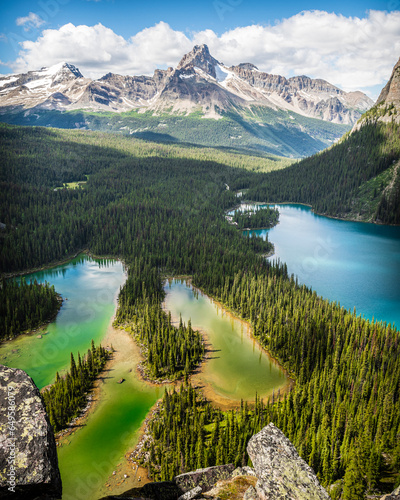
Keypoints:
pixel 163 213
pixel 259 129
pixel 358 178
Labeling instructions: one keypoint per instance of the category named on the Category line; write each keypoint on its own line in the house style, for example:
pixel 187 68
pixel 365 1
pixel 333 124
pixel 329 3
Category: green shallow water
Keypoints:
pixel 91 287
pixel 111 430
pixel 238 367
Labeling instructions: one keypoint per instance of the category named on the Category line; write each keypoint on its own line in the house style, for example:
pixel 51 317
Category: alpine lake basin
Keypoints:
pixel 238 367
pixel 356 264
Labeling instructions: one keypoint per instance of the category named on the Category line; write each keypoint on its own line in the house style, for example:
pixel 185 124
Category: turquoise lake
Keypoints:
pixel 89 288
pixel 354 263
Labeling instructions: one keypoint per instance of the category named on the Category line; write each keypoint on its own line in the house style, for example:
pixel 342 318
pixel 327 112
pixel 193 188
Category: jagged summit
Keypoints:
pixel 199 57
pixel 198 83
pixel 249 66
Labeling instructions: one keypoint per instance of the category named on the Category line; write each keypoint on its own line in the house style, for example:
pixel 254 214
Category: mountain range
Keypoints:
pixel 264 111
pixel 357 178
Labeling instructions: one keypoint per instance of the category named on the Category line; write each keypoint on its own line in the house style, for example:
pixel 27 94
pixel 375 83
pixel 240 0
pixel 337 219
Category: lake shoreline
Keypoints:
pixel 345 219
pixel 39 329
pixel 61 262
pixel 224 403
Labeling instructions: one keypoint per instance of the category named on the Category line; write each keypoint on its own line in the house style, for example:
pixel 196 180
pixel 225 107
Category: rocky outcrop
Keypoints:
pixel 205 478
pixel 391 92
pixel 278 474
pixel 387 107
pixel 281 473
pixel 28 455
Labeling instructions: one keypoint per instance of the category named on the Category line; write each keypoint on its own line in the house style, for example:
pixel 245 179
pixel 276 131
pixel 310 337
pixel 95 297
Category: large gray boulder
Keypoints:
pixel 205 478
pixel 281 473
pixel 28 454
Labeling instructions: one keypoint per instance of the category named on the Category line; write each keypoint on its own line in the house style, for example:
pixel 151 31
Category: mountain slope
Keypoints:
pixel 199 81
pixel 238 106
pixel 358 178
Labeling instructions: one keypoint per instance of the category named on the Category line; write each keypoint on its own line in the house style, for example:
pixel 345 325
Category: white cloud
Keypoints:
pixel 30 21
pixel 350 52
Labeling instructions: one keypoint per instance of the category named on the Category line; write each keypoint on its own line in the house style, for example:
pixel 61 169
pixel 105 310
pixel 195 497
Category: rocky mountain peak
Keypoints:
pixel 64 72
pixel 199 57
pixel 391 92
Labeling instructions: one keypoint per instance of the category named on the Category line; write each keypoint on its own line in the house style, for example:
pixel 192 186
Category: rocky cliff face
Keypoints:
pixel 391 92
pixel 199 82
pixel 387 107
pixel 199 57
pixel 311 97
pixel 28 455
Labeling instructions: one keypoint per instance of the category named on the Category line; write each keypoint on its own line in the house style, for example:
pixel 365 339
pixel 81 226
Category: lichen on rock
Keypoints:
pixel 282 473
pixel 28 455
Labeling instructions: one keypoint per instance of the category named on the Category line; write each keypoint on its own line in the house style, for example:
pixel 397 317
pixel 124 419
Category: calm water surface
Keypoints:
pixel 90 455
pixel 356 264
pixel 238 367
pixel 89 288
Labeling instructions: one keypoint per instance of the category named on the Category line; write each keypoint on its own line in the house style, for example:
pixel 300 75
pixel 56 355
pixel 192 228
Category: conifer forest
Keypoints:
pixel 161 208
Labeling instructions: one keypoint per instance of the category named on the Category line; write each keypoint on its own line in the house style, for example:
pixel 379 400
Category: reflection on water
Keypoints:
pixel 237 367
pixel 89 288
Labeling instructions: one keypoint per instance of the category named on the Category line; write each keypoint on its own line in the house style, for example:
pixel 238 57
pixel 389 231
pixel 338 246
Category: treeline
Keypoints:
pixel 189 433
pixel 25 306
pixel 165 215
pixel 260 217
pixel 67 396
pixel 330 181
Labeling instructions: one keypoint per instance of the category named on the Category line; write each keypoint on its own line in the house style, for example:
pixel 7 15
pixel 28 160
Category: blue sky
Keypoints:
pixel 342 42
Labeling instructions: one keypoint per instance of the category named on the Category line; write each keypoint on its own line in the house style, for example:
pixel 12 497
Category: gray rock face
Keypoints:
pixel 395 495
pixel 391 92
pixel 281 473
pixel 243 471
pixel 28 455
pixel 192 494
pixel 205 478
pixel 200 57
pixel 251 494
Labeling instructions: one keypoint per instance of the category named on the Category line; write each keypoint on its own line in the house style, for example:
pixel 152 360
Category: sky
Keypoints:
pixel 351 44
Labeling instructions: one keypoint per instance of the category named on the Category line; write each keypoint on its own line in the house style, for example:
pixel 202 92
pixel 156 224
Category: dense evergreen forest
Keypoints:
pixel 164 214
pixel 347 180
pixel 67 396
pixel 170 352
pixel 187 432
pixel 25 306
pixel 256 219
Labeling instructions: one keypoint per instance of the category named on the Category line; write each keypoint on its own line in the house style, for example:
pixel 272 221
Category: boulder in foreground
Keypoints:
pixel 28 454
pixel 281 473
